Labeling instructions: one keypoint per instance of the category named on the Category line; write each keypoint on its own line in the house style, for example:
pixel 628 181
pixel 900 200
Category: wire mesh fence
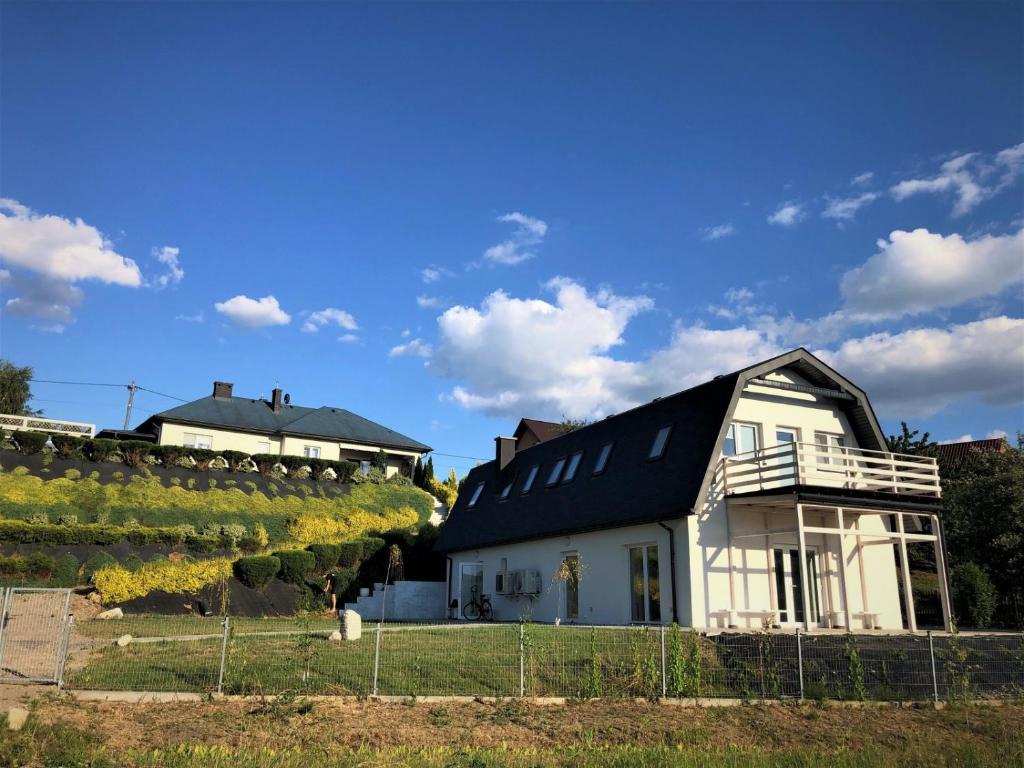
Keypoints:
pixel 273 656
pixel 34 626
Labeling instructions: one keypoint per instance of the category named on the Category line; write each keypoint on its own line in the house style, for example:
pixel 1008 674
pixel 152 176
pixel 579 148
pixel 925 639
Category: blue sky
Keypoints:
pixel 467 213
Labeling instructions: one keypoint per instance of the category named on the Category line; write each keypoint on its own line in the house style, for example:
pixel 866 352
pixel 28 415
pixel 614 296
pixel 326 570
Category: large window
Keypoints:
pixel 530 477
pixel 602 458
pixel 262 447
pixel 644 585
pixel 476 494
pixel 556 471
pixel 660 441
pixel 572 466
pixel 789 590
pixel 195 440
pixel 829 448
pixel 311 451
pixel 741 438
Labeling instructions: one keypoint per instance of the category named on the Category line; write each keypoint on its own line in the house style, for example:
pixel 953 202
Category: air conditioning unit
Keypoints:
pixel 529 582
pixel 503 583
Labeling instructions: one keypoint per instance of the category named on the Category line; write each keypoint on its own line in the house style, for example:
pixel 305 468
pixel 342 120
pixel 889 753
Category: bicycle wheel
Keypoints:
pixel 471 611
pixel 487 612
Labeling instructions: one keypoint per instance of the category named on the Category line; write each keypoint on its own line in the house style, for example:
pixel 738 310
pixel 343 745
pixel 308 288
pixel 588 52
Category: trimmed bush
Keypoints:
pixel 202 457
pixel 169 455
pixel 135 452
pixel 97 562
pixel 133 563
pixel 66 572
pixel 350 553
pixel 69 446
pixel 30 442
pixel 256 572
pixel 296 565
pixel 35 565
pixel 325 555
pixel 234 459
pixel 974 596
pixel 102 449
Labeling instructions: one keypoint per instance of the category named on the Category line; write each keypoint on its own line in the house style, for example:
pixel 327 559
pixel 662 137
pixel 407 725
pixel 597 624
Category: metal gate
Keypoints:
pixel 34 633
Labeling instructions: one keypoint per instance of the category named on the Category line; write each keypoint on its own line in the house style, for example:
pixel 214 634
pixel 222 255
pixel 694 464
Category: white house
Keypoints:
pixel 766 496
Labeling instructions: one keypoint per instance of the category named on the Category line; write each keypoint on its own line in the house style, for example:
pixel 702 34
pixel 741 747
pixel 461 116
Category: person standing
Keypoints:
pixel 331 588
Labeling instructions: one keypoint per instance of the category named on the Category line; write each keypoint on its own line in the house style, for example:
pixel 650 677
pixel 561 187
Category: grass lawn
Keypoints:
pixel 297 733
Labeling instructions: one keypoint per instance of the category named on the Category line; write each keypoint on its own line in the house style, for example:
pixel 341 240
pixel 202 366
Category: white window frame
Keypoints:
pixel 823 450
pixel 196 438
pixel 791 582
pixel 758 436
pixel 308 451
pixel 261 449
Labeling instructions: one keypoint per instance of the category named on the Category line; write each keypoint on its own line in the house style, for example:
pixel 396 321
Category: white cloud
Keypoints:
pixel 412 348
pixel 198 317
pixel 844 209
pixel 168 256
pixel 429 302
pixel 994 434
pixel 739 295
pixel 863 178
pixel 718 232
pixel 787 214
pixel 919 271
pixel 434 273
pixel 971 178
pixel 253 313
pixel 962 439
pixel 348 338
pixel 529 232
pixel 60 248
pixel 920 371
pixel 329 316
pixel 41 298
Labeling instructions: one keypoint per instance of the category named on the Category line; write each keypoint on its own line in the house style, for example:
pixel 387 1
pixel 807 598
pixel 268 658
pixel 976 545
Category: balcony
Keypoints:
pixel 812 464
pixel 11 423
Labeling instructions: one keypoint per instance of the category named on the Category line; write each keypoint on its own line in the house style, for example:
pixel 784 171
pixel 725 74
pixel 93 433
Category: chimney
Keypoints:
pixel 504 451
pixel 222 390
pixel 275 399
pixel 287 399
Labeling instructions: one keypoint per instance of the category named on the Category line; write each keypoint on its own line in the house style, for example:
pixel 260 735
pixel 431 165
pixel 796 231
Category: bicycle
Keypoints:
pixel 475 609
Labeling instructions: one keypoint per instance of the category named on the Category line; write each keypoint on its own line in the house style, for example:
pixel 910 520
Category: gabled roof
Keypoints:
pixel 632 490
pixel 249 415
pixel 542 430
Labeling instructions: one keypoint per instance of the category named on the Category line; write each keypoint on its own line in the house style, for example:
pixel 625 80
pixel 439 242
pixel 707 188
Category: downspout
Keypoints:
pixel 448 586
pixel 672 571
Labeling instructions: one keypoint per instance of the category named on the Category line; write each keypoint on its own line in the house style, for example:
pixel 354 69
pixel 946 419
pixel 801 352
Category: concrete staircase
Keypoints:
pixel 402 601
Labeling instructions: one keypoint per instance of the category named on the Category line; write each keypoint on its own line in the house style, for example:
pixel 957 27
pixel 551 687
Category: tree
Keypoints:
pixel 380 462
pixel 567 425
pixel 909 442
pixel 983 522
pixel 428 472
pixel 417 473
pixel 15 389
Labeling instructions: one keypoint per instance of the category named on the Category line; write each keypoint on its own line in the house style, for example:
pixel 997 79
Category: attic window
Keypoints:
pixel 530 477
pixel 507 489
pixel 574 464
pixel 476 494
pixel 556 472
pixel 602 458
pixel 660 441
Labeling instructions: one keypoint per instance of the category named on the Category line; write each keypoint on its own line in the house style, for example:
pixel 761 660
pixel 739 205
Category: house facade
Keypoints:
pixel 763 497
pixel 225 422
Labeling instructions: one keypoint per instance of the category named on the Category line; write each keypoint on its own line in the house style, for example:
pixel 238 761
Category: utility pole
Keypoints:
pixel 131 399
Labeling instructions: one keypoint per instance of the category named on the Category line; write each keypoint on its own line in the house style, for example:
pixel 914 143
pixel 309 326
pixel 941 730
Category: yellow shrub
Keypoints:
pixel 117 584
pixel 322 529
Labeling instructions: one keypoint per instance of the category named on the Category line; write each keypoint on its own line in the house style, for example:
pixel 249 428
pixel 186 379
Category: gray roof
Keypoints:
pixel 248 415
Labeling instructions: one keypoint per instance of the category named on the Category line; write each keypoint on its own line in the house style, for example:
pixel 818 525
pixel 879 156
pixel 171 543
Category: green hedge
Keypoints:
pixel 34 565
pixel 256 572
pixel 296 565
pixel 325 555
pixel 21 532
pixel 97 562
pixel 29 442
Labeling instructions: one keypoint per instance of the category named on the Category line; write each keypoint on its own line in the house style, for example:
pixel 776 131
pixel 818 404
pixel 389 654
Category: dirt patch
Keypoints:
pixel 341 725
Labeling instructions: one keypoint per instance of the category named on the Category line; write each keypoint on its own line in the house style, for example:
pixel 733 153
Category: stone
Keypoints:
pixel 113 613
pixel 95 597
pixel 16 717
pixel 123 640
pixel 351 624
pixel 335 636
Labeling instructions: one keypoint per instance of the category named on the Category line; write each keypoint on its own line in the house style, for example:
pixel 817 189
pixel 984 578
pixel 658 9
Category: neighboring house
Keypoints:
pixel 763 496
pixel 533 431
pixel 225 422
pixel 954 454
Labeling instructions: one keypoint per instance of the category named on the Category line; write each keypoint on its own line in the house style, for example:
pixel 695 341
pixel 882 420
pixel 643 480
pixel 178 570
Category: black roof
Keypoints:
pixel 249 415
pixel 630 491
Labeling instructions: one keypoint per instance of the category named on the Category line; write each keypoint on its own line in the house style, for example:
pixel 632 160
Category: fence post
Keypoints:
pixel 800 661
pixel 223 655
pixel 376 660
pixel 62 660
pixel 935 678
pixel 522 660
pixel 664 675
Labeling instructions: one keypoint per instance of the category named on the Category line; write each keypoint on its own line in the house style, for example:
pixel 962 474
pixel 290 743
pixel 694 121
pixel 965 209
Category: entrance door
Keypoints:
pixel 571 573
pixel 788 587
pixel 470 575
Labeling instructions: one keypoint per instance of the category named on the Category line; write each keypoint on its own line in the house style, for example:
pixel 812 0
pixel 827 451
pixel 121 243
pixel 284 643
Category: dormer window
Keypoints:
pixel 530 477
pixel 476 494
pixel 602 458
pixel 660 441
pixel 572 466
pixel 556 472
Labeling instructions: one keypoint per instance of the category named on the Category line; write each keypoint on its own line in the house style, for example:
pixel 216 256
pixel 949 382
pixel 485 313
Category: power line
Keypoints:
pixel 76 383
pixel 457 456
pixel 154 392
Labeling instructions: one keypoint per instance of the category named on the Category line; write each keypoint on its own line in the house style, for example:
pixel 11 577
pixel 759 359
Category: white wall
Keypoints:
pixel 604 589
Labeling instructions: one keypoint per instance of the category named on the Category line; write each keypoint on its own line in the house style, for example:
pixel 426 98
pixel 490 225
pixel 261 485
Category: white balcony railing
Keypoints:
pixel 830 466
pixel 10 423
